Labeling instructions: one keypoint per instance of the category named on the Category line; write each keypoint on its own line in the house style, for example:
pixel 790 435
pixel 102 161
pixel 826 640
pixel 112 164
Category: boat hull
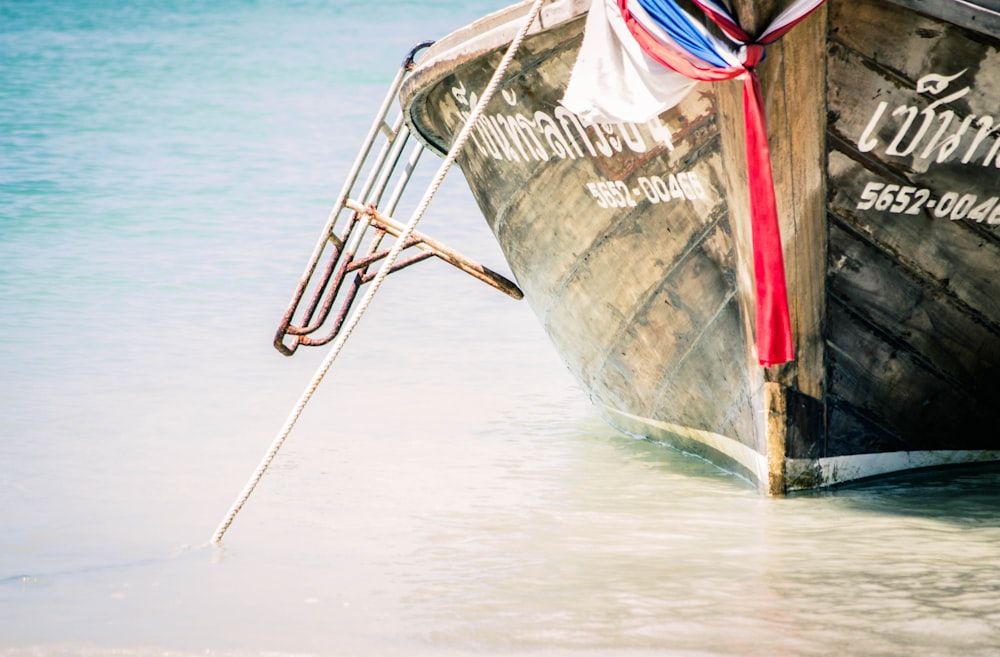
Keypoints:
pixel 631 242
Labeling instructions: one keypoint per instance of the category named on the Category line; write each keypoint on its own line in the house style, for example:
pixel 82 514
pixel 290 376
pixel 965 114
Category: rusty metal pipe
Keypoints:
pixel 443 252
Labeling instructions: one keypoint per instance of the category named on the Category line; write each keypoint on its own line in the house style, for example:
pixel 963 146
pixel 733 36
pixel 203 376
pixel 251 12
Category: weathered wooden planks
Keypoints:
pixel 632 289
pixel 914 312
pixel 886 158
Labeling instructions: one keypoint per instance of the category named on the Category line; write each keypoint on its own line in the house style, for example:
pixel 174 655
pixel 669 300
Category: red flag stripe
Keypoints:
pixel 772 319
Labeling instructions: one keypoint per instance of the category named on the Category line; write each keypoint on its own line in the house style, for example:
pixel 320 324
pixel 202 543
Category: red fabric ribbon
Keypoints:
pixel 774 330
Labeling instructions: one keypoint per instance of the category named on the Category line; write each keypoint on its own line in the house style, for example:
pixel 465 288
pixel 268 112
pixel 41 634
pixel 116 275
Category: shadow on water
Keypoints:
pixel 964 495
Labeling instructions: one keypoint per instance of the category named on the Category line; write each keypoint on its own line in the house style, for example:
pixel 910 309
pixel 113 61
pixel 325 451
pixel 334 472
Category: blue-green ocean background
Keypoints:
pixel 165 168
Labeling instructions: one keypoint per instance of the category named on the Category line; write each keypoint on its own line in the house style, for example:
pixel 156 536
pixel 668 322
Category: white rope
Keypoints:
pixel 390 259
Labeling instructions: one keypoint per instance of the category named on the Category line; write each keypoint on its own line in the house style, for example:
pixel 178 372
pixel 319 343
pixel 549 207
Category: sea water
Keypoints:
pixel 165 168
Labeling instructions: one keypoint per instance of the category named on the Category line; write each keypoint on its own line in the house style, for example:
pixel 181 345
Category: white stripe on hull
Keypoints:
pixel 802 474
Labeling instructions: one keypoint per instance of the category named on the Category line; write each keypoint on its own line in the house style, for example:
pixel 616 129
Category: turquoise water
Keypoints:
pixel 164 171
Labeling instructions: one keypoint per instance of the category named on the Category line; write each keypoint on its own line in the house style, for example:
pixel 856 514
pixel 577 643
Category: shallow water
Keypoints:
pixel 164 171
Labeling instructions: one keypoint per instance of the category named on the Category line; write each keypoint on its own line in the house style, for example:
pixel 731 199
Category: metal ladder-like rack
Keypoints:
pixel 347 244
pixel 364 211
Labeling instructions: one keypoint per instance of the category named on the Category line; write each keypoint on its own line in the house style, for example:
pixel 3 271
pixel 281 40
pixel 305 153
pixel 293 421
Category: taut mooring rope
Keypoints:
pixel 390 259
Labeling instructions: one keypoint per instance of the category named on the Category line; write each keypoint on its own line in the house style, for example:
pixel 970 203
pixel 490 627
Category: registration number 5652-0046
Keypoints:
pixel 906 199
pixel 654 189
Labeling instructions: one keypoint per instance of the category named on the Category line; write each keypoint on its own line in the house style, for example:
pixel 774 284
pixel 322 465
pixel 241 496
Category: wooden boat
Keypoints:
pixel 632 242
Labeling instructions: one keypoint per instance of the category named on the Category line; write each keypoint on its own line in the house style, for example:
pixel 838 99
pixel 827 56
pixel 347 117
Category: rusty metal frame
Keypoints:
pixel 345 263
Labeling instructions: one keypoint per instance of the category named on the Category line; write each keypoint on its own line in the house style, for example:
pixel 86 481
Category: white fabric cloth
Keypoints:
pixel 613 79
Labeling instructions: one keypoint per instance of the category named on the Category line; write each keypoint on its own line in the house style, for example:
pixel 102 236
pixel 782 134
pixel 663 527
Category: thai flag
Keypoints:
pixel 673 29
